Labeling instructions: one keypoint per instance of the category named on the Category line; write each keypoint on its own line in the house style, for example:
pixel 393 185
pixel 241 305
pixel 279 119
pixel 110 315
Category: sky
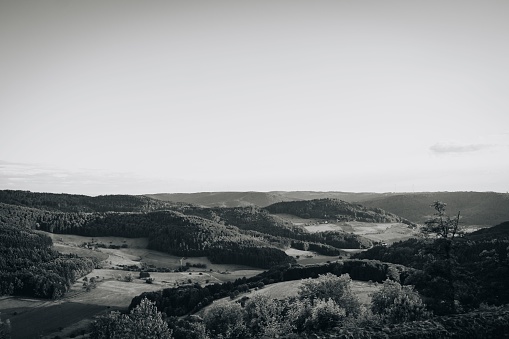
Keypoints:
pixel 134 97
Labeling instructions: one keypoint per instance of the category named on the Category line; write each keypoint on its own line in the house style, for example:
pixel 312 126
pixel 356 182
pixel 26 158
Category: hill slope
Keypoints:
pixel 477 208
pixel 83 203
pixel 223 199
pixel 333 209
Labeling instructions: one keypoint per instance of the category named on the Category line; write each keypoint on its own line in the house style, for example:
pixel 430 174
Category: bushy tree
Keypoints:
pixel 191 327
pixel 396 303
pixel 144 321
pixel 330 286
pixel 325 314
pixel 267 316
pixel 225 321
pixel 441 224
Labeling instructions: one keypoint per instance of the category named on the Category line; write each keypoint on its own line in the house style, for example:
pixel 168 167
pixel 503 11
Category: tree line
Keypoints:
pixel 334 209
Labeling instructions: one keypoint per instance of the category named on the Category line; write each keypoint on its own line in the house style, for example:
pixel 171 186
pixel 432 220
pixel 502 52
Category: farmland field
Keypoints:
pixel 379 232
pixel 73 312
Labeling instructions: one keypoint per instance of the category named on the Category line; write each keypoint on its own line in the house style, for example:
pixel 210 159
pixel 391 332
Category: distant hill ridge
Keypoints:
pixel 224 199
pixel 477 208
pixel 82 203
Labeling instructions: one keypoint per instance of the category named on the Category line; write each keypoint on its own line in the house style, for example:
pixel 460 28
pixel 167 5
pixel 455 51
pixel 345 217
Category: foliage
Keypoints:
pixel 398 303
pixel 479 270
pixel 225 321
pixel 144 321
pixel 325 314
pixel 482 324
pixel 330 286
pixel 267 316
pixel 441 224
pixel 191 327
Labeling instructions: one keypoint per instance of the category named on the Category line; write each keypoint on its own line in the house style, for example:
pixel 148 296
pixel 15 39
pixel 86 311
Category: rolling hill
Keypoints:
pixel 224 199
pixel 83 203
pixel 477 208
pixel 334 209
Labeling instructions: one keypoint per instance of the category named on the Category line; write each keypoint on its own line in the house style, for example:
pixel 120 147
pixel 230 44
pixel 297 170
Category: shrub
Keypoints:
pixel 225 321
pixel 397 304
pixel 330 286
pixel 144 321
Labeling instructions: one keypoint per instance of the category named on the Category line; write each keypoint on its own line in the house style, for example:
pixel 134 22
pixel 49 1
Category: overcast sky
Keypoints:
pixel 106 97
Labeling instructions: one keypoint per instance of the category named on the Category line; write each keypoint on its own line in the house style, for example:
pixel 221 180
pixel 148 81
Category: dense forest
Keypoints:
pixel 336 210
pixel 30 267
pixel 82 203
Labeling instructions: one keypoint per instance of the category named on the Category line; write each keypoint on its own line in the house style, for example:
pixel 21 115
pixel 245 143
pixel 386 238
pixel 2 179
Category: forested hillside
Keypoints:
pixel 333 209
pixel 223 199
pixel 83 203
pixel 259 220
pixel 168 231
pixel 30 267
pixel 477 208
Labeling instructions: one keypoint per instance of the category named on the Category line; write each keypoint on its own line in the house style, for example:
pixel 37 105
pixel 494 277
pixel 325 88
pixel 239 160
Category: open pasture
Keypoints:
pixel 309 257
pixel 380 232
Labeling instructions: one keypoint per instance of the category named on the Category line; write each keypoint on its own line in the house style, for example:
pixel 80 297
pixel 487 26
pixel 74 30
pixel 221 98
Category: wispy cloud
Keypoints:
pixel 43 178
pixel 451 147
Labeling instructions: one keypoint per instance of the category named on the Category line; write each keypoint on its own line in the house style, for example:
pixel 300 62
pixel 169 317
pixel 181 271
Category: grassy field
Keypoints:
pixel 380 232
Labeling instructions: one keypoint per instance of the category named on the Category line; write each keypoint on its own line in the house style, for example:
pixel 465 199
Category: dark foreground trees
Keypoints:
pixel 144 321
pixel 323 304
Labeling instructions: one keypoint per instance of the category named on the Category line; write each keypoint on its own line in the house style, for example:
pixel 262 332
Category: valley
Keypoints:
pixel 72 259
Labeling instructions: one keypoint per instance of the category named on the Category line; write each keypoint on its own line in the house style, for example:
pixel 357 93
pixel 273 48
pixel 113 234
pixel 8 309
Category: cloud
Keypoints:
pixel 44 178
pixel 451 147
